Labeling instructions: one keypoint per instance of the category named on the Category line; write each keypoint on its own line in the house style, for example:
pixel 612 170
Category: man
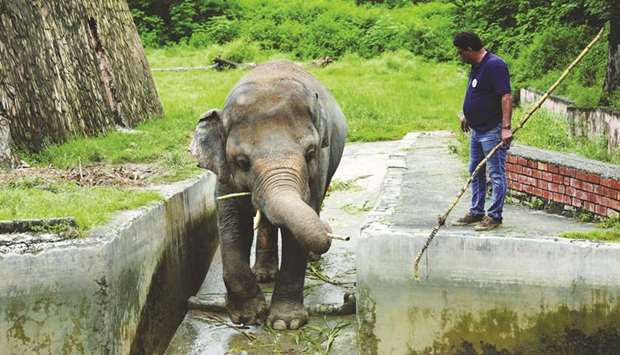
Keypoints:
pixel 487 112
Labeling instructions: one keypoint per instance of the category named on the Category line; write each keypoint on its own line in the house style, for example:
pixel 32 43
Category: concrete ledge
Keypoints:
pixel 479 261
pixel 479 292
pixel 122 289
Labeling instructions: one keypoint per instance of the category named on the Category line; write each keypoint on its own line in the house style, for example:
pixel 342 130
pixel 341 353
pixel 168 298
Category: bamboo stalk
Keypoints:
pixel 442 219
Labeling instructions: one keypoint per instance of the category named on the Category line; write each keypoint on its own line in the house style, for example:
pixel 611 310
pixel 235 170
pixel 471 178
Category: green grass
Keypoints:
pixel 386 97
pixel 608 230
pixel 36 198
pixel 383 98
pixel 612 235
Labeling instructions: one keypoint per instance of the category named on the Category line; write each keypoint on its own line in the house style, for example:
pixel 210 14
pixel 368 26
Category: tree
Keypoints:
pixel 612 79
pixel 69 68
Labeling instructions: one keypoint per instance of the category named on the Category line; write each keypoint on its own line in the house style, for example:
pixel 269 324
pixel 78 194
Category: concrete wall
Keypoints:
pixel 564 182
pixel 517 295
pixel 592 123
pixel 554 104
pixel 122 289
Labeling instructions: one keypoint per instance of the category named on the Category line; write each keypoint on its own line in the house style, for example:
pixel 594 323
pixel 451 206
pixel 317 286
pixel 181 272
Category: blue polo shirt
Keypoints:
pixel 489 80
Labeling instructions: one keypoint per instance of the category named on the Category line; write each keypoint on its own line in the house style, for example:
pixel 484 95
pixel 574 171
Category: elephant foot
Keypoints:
pixel 251 310
pixel 266 266
pixel 265 272
pixel 287 315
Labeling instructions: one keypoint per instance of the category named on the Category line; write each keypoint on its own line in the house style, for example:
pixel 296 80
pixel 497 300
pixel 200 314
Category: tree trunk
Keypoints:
pixel 69 68
pixel 612 79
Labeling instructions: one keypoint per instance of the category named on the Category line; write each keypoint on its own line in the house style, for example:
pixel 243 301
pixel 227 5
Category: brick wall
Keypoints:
pixel 564 180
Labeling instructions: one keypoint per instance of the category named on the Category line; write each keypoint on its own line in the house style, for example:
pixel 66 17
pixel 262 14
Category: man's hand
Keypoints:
pixel 506 137
pixel 464 123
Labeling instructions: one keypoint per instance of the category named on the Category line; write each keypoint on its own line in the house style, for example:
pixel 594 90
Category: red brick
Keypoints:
pixel 566 181
pixel 556 187
pixel 537 174
pixel 567 171
pixel 600 210
pixel 557 197
pixel 527 189
pixel 575 183
pixel 596 198
pixel 611 183
pixel 537 192
pixel 607 182
pixel 514 185
pixel 571 191
pixel 542 166
pixel 582 175
pixel 511 159
pixel 532 181
pixel 611 203
pixel 576 202
pixel 527 171
pixel 543 185
pixel 547 176
pixel 547 195
pixel 582 195
pixel 552 168
pixel 586 186
pixel 589 206
pixel 533 164
pixel 522 161
pixel 558 179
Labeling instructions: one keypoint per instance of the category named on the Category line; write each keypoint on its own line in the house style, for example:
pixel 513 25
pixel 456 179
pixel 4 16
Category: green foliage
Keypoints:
pixel 305 29
pixel 540 38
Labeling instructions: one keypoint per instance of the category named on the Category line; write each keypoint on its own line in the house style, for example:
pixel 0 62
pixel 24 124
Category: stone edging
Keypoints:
pixel 123 289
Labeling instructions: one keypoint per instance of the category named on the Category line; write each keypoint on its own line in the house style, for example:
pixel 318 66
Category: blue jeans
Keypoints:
pixel 481 145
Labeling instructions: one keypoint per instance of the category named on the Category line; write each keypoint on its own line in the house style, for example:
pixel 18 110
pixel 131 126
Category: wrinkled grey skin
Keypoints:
pixel 280 136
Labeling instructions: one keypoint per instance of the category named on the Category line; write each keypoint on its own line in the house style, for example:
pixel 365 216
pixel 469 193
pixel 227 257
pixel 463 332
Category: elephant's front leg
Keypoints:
pixel 244 300
pixel 287 303
pixel 266 264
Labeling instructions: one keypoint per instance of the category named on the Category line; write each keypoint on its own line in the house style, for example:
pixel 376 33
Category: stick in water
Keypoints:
pixel 442 219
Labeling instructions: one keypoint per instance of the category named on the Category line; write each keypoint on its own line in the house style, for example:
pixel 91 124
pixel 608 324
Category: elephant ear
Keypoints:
pixel 208 144
pixel 320 121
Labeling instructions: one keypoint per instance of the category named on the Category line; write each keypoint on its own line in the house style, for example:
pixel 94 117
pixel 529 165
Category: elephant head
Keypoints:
pixel 268 140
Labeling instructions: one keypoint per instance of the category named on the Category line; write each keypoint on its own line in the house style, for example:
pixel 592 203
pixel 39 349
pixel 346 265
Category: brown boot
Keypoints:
pixel 487 224
pixel 467 219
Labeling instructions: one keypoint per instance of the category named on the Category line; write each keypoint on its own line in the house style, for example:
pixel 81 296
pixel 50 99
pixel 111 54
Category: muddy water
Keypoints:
pixel 496 319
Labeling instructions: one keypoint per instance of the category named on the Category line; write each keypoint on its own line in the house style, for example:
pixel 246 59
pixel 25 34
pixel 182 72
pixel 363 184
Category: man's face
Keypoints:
pixel 467 55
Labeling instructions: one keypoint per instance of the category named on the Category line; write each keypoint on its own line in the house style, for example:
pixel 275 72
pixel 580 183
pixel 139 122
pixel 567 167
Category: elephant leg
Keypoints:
pixel 287 303
pixel 244 300
pixel 266 264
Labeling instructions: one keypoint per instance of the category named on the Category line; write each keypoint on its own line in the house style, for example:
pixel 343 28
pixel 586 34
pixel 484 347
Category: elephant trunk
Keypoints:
pixel 282 197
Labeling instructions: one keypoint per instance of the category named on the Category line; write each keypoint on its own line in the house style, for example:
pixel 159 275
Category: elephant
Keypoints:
pixel 279 136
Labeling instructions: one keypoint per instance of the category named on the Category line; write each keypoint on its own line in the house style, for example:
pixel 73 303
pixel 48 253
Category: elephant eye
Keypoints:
pixel 310 153
pixel 242 162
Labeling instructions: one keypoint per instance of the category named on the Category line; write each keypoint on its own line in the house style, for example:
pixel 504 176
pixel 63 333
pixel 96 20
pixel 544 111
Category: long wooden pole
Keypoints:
pixel 442 219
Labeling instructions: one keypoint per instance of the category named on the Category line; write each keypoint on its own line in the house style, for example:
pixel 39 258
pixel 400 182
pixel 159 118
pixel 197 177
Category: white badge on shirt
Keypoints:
pixel 474 83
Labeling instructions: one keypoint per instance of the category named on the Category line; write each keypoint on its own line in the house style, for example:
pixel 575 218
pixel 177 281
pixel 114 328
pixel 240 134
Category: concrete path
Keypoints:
pixel 432 180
